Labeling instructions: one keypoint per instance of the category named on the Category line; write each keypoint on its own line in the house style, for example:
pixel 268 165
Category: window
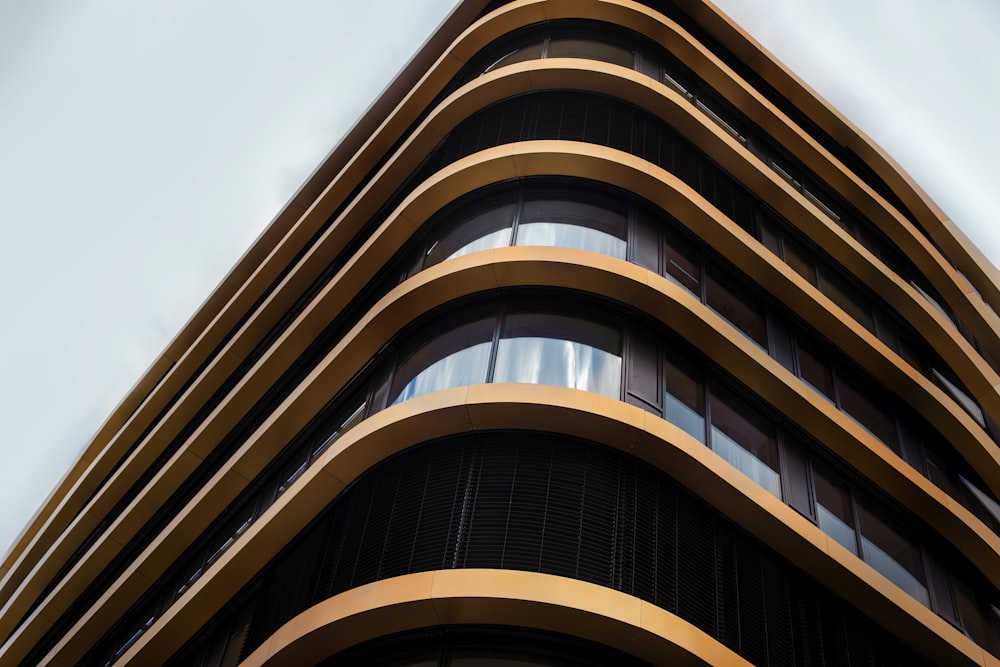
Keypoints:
pixel 745 439
pixel 573 224
pixel 834 511
pixel 892 554
pixel 489 227
pixel 560 350
pixel 456 358
pixel 685 400
pixel 724 296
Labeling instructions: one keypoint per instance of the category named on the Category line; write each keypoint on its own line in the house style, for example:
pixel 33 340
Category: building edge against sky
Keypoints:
pixel 130 515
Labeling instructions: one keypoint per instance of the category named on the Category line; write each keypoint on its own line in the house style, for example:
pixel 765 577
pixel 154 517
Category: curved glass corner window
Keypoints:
pixel 534 348
pixel 562 351
pixel 573 224
pixel 570 46
pixel 564 42
pixel 457 358
pixel 489 227
pixel 560 219
pixel 517 54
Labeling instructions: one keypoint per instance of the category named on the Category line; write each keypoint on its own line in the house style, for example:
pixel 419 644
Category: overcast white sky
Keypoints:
pixel 144 145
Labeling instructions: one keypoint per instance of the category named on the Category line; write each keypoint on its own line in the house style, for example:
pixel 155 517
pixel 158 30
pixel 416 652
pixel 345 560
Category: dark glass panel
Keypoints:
pixel 770 236
pixel 846 297
pixel 489 227
pixel 937 472
pixel 865 403
pixel 583 47
pixel 685 397
pixel 456 358
pixel 817 372
pixel 517 55
pixel 891 554
pixel 780 342
pixel 795 479
pixel 800 260
pixel 682 264
pixel 833 509
pixel 939 588
pixel 745 439
pixel 973 619
pixel 643 371
pixel 737 305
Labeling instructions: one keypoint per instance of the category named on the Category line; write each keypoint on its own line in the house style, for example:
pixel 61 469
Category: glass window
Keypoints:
pixel 891 554
pixel 833 509
pixel 736 305
pixel 582 47
pixel 815 371
pixel 682 264
pixel 800 260
pixel 960 396
pixel 863 402
pixel 457 358
pixel 685 400
pixel 973 619
pixel 354 416
pixel 745 439
pixel 571 224
pixel 485 229
pixel 560 350
pixel 846 297
pixel 517 55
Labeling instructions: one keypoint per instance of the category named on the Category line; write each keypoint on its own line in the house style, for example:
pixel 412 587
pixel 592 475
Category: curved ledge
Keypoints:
pixel 559 267
pixel 64 529
pixel 494 597
pixel 979 269
pixel 550 409
pixel 569 412
pixel 709 67
pixel 50 546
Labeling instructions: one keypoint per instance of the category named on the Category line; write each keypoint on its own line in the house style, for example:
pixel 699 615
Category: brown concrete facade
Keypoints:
pixel 78 536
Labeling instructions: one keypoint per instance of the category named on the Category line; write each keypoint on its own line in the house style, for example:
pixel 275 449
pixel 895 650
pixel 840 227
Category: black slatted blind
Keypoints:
pixel 540 503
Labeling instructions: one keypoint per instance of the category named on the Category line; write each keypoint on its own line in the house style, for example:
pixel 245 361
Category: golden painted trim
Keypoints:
pixel 627 428
pixel 411 101
pixel 508 267
pixel 970 260
pixel 491 597
pixel 574 159
pixel 644 20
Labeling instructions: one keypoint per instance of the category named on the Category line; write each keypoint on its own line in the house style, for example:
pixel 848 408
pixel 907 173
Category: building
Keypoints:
pixel 601 337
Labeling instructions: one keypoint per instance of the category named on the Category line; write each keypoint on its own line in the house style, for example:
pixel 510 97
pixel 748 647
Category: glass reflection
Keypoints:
pixel 833 510
pixel 582 47
pixel 891 554
pixel 562 351
pixel 518 55
pixel 563 235
pixel 745 440
pixel 457 358
pixel 685 401
pixel 485 230
pixel 573 224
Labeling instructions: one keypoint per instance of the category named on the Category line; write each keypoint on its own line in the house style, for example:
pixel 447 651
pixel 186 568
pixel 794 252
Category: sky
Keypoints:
pixel 145 145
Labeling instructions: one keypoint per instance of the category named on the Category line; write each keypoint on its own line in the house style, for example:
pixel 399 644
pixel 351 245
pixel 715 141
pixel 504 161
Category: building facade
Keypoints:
pixel 601 339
